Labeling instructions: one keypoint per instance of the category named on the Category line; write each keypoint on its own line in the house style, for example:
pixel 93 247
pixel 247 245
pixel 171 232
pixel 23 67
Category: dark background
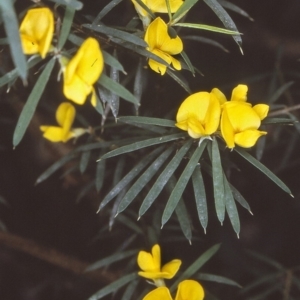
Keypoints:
pixel 47 214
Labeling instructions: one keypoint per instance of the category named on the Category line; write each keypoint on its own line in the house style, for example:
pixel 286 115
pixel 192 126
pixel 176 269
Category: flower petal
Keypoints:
pixel 248 138
pixel 239 93
pixel 149 262
pixel 227 129
pixel 55 134
pixel 262 110
pixel 161 7
pixel 36 31
pixel 221 97
pixel 189 290
pixel 160 293
pixel 171 268
pixel 212 117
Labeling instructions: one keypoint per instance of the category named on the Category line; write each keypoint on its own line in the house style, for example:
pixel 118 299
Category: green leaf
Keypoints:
pixel 77 5
pixel 146 8
pixel 263 169
pixel 182 182
pixel 123 35
pixel 31 103
pixel 208 27
pixel 280 91
pixel 283 121
pixel 235 8
pixel 114 99
pixel 100 173
pixel 225 19
pixel 114 286
pixel 107 261
pixel 206 41
pixel 147 121
pixel 182 10
pixel 84 160
pixel 196 265
pixel 144 179
pixel 164 177
pixel 112 61
pixel 217 278
pixel 106 9
pixel 143 144
pixel 130 290
pixel 12 32
pixel 116 88
pixel 218 184
pixel 200 197
pixel 239 198
pixel 53 168
pixel 188 62
pixel 84 190
pixel 231 207
pixel 180 80
pixel 66 26
pixel 129 177
pixel 140 82
pixel 184 219
pixel 265 259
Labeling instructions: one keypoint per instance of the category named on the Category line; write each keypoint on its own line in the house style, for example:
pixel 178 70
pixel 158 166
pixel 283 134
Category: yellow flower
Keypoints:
pixel 240 121
pixel 187 290
pixel 65 115
pixel 151 265
pixel 159 6
pixel 36 31
pixel 161 44
pixel 199 114
pixel 82 71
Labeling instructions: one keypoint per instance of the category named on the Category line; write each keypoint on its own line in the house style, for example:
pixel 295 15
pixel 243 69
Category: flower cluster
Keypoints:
pixel 203 113
pixel 150 263
pixel 80 72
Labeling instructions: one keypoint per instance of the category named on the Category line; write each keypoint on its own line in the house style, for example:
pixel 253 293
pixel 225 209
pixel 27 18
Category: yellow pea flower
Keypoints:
pixel 161 44
pixel 82 71
pixel 151 265
pixel 36 31
pixel 65 115
pixel 159 6
pixel 199 114
pixel 187 290
pixel 240 121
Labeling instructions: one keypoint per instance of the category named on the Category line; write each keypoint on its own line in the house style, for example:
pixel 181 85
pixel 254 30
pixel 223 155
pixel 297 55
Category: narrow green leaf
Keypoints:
pixel 182 10
pixel 239 198
pixel 147 120
pixel 196 265
pixel 114 99
pixel 283 121
pixel 84 190
pixel 188 62
pixel 267 260
pixel 217 278
pixel 180 80
pixel 123 35
pixel 116 88
pixel 169 9
pixel 263 169
pixel 114 286
pixel 107 261
pixel 164 177
pixel 130 289
pixel 182 182
pixel 208 27
pixel 200 197
pixel 106 9
pixel 71 3
pixel 66 26
pixel 4 41
pixel 235 8
pixel 129 177
pixel 140 82
pixel 225 19
pixel 12 32
pixel 146 8
pixel 133 226
pixel 53 168
pixel 100 173
pixel 84 161
pixel 218 184
pixel 280 91
pixel 31 103
pixel 143 144
pixel 206 41
pixel 231 207
pixel 112 61
pixel 144 179
pixel 184 219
